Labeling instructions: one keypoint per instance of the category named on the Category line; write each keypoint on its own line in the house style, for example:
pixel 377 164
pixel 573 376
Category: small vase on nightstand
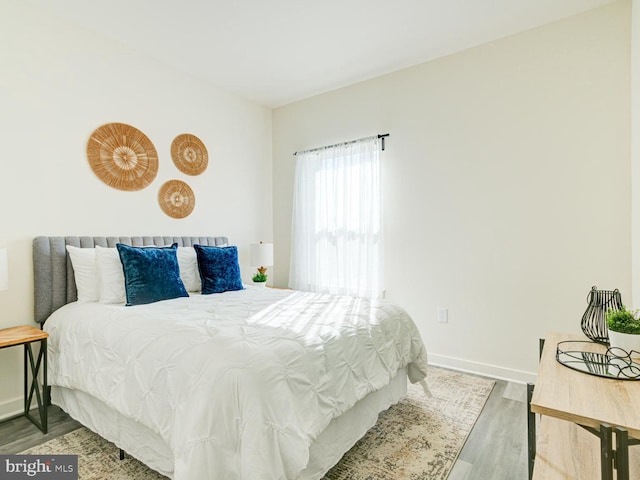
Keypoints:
pixel 259 284
pixel 630 343
pixel 624 330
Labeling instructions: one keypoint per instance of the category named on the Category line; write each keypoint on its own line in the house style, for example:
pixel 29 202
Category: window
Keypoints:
pixel 337 220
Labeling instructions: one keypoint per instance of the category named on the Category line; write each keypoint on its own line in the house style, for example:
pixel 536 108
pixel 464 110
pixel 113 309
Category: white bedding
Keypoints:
pixel 238 384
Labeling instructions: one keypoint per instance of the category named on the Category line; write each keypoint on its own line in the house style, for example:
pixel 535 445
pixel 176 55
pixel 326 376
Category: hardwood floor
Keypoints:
pixel 497 446
pixel 495 450
pixel 18 434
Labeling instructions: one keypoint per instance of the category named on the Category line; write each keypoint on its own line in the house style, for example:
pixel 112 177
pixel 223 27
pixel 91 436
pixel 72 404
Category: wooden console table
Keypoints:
pixel 587 422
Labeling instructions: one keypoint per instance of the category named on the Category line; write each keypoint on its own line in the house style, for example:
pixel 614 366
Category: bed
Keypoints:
pixel 248 383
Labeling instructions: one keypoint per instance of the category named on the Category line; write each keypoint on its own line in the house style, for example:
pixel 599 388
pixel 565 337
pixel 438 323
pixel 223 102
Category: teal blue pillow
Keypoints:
pixel 219 269
pixel 151 274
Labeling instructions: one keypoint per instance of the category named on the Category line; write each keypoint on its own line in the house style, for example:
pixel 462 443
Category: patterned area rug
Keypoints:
pixel 417 439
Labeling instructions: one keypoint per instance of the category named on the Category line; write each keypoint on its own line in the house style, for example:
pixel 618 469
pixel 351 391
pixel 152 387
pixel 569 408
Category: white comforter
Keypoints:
pixel 238 384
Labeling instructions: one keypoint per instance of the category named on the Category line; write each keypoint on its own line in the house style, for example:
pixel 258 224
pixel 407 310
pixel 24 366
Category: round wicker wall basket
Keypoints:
pixel 189 154
pixel 122 156
pixel 176 199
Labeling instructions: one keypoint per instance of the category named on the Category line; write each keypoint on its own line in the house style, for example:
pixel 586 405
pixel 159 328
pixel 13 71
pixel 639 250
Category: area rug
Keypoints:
pixel 417 439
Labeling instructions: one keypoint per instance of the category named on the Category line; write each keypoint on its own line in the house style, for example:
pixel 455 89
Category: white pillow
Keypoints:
pixel 85 272
pixel 189 273
pixel 111 275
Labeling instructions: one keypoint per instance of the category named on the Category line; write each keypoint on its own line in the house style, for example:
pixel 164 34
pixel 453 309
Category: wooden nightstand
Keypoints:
pixel 26 335
pixel 581 415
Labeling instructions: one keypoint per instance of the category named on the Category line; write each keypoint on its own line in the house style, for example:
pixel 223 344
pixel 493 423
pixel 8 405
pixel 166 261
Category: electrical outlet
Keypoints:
pixel 443 315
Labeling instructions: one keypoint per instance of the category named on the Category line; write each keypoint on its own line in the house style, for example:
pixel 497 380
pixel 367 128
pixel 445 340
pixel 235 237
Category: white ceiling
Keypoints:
pixel 279 51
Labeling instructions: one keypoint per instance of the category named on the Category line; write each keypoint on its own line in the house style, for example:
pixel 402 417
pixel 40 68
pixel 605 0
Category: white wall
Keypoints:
pixel 635 150
pixel 506 184
pixel 58 83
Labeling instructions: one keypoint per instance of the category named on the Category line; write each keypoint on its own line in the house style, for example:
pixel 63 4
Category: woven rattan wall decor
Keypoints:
pixel 122 156
pixel 189 154
pixel 176 199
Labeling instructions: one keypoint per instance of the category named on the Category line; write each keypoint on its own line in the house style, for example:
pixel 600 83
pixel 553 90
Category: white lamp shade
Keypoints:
pixel 261 254
pixel 4 269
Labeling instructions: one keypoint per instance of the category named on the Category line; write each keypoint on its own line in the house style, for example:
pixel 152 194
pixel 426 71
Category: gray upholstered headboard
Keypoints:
pixel 54 283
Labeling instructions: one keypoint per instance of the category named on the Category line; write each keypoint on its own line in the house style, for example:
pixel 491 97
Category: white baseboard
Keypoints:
pixel 485 369
pixel 11 408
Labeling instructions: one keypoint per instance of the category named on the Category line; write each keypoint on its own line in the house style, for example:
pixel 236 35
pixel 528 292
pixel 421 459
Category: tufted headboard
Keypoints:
pixel 54 283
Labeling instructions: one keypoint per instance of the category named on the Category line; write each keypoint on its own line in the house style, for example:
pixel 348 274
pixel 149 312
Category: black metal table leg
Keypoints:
pixel 531 420
pixel 622 454
pixel 606 452
pixel 29 390
pixel 531 431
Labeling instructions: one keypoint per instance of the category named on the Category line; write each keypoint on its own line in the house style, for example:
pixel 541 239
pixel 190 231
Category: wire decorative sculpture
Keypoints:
pixel 593 322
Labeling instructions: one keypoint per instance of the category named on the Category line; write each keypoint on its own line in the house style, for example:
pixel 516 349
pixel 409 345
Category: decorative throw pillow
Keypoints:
pixel 151 274
pixel 189 273
pixel 110 275
pixel 85 272
pixel 219 269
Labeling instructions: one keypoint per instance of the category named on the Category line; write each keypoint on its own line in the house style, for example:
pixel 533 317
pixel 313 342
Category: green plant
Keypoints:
pixel 623 321
pixel 259 277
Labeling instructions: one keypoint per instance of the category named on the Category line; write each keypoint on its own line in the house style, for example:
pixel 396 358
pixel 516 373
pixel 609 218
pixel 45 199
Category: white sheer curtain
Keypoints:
pixel 336 235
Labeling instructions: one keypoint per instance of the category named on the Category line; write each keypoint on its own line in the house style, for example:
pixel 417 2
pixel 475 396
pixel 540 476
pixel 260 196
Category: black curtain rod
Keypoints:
pixel 382 136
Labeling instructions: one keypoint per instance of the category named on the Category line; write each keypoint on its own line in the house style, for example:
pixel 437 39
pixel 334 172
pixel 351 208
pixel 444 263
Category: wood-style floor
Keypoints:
pixel 495 450
pixel 497 446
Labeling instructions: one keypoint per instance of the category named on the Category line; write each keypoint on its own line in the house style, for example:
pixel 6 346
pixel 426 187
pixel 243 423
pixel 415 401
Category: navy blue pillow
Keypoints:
pixel 219 269
pixel 151 274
